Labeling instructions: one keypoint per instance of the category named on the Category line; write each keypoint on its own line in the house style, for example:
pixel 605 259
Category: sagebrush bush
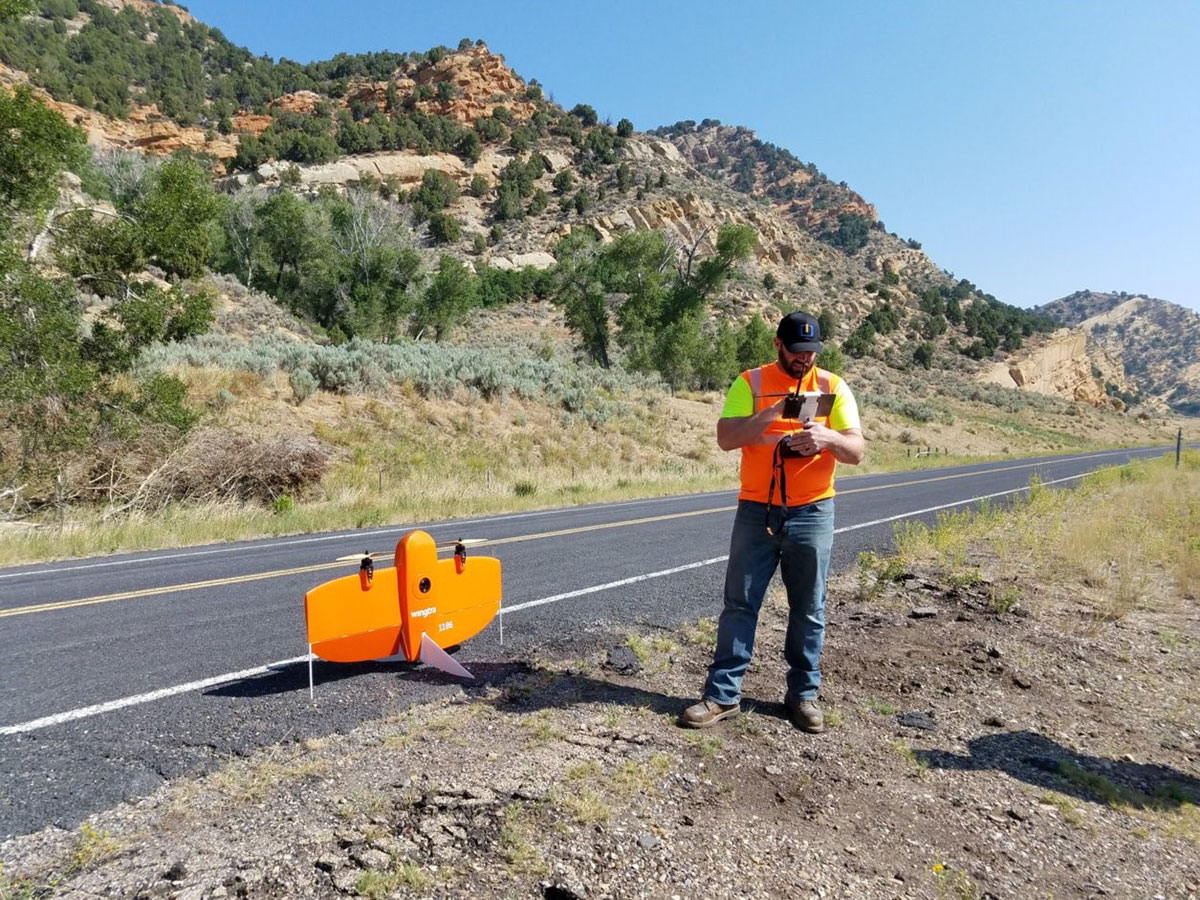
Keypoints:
pixel 912 409
pixel 1011 400
pixel 303 384
pixel 433 370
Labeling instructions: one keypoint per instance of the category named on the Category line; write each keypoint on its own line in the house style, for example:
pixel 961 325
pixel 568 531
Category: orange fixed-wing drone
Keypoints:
pixel 417 609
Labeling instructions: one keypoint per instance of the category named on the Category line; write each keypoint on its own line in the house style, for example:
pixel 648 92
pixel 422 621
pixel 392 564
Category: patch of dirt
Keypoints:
pixel 969 754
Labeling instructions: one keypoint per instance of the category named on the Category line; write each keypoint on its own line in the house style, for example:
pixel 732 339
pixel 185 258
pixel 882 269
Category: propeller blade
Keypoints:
pixel 466 542
pixel 355 557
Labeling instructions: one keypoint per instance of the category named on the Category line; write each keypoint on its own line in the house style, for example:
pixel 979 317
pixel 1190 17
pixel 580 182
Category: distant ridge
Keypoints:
pixel 1157 341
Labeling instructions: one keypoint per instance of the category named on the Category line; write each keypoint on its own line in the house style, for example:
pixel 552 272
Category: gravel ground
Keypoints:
pixel 970 754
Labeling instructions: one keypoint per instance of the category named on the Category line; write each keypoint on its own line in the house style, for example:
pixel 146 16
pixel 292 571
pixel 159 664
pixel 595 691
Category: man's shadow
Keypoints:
pixel 1039 761
pixel 507 686
pixel 522 688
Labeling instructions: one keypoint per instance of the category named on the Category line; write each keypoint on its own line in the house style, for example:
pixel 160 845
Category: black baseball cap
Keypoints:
pixel 799 332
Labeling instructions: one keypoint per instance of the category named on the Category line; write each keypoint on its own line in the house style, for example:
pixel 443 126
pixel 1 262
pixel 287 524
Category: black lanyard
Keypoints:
pixel 777 468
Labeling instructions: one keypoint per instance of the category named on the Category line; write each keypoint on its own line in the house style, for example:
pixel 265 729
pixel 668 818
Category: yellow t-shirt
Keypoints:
pixel 740 402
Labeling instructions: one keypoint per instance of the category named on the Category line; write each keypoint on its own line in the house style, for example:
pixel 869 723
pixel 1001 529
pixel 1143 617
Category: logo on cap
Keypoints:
pixel 806 330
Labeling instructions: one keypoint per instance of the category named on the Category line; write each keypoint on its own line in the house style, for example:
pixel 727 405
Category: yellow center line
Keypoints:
pixel 167 589
pixel 491 542
pixel 283 573
pixel 882 487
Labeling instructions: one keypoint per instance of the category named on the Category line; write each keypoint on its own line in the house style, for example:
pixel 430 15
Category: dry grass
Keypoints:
pixel 92 846
pixel 1067 810
pixel 377 885
pixel 518 841
pixel 402 457
pixel 1123 540
pixel 251 780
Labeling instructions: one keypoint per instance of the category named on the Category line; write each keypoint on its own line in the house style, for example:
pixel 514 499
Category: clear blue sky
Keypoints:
pixel 1036 148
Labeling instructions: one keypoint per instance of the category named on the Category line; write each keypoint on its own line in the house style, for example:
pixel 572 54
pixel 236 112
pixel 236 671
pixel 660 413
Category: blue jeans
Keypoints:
pixel 800 549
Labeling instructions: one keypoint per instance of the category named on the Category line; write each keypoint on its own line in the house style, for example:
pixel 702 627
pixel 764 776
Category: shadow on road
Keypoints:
pixel 294 677
pixel 1039 761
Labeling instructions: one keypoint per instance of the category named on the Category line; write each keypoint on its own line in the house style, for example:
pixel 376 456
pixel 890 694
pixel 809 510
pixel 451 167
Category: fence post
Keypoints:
pixel 1178 447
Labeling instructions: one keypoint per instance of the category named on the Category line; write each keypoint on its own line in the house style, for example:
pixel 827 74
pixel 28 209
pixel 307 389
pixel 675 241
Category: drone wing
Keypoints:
pixel 349 624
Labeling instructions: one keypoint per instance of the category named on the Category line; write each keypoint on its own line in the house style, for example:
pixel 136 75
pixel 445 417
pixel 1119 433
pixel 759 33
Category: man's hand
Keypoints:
pixel 847 446
pixel 813 439
pixel 737 431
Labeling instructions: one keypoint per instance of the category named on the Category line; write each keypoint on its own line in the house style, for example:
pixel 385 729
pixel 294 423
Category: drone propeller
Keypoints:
pixel 465 542
pixel 354 557
pixel 380 554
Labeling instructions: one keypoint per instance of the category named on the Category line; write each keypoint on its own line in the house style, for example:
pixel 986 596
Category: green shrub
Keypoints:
pixel 491 129
pixel 564 181
pixel 437 191
pixel 303 383
pixel 435 370
pixel 831 359
pixel 827 322
pixel 923 355
pixel 851 234
pixel 538 202
pixel 444 228
pixel 585 114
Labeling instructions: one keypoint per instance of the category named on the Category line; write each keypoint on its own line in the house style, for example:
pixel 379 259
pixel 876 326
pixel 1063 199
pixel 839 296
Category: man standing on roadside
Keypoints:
pixel 784 520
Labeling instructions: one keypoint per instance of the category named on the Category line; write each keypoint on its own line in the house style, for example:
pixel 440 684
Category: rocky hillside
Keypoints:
pixel 736 157
pixel 143 76
pixel 1157 342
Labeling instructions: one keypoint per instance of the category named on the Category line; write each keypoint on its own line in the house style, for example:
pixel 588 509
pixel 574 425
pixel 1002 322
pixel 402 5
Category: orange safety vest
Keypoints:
pixel 808 479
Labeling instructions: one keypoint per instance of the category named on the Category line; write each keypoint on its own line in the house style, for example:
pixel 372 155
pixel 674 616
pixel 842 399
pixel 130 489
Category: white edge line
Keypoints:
pixel 211 551
pixel 162 693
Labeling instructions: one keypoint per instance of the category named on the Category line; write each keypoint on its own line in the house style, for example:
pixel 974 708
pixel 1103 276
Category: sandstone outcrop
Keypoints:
pixel 146 130
pixel 480 81
pixel 404 167
pixel 145 7
pixel 537 260
pixel 651 150
pixel 692 218
pixel 303 102
pixel 1157 342
pixel 1062 366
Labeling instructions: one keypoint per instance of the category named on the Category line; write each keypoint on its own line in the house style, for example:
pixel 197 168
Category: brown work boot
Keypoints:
pixel 805 714
pixel 707 713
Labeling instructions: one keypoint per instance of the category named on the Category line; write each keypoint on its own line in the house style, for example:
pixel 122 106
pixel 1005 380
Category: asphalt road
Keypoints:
pixel 120 672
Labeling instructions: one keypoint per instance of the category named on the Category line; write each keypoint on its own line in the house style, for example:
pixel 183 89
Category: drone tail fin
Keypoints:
pixel 433 655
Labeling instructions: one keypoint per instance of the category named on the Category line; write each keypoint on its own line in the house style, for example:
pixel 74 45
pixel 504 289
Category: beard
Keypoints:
pixel 796 367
